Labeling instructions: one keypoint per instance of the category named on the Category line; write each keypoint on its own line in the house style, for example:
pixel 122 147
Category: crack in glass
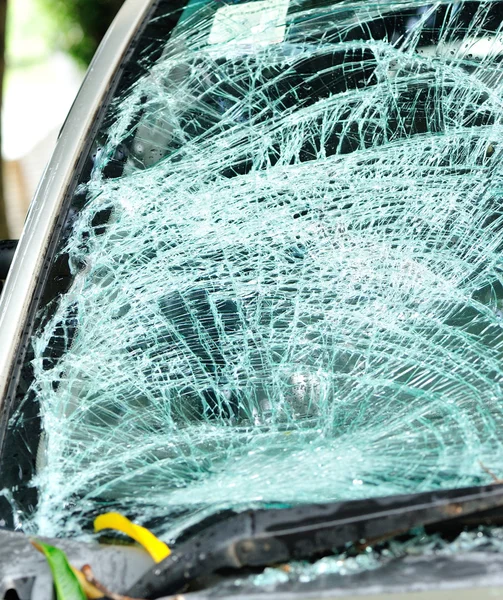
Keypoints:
pixel 296 294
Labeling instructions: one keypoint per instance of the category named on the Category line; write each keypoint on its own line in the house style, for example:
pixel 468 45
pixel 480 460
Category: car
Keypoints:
pixel 257 306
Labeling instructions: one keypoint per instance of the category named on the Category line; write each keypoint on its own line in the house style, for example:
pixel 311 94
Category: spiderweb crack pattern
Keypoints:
pixel 298 294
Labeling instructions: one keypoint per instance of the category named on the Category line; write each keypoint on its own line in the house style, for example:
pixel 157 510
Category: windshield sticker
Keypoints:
pixel 250 23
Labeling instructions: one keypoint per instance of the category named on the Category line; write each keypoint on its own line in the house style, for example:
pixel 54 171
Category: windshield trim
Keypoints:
pixel 263 537
pixel 26 275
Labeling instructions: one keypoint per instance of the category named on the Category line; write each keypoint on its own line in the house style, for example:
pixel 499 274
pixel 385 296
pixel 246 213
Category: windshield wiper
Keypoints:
pixel 258 538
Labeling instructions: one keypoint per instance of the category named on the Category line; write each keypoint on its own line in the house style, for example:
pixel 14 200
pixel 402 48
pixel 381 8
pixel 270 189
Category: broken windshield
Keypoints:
pixel 285 269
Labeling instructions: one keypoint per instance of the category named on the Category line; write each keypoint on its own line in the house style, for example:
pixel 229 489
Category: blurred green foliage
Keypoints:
pixel 82 24
pixel 30 34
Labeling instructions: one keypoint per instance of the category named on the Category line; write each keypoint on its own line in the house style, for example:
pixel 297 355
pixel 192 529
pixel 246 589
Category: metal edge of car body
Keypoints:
pixel 25 571
pixel 48 199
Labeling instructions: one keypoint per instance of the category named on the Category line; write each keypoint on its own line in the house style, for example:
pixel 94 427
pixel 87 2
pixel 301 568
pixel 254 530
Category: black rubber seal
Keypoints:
pixel 7 250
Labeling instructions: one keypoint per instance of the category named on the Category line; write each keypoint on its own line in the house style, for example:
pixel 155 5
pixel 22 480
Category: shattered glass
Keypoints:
pixel 293 291
pixel 420 544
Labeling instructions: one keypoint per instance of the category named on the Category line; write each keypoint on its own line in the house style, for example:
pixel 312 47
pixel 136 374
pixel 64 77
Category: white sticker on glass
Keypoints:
pixel 251 23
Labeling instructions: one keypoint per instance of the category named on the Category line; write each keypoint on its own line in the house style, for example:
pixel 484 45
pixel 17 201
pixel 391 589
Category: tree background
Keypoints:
pixel 79 26
pixel 82 24
pixel 4 230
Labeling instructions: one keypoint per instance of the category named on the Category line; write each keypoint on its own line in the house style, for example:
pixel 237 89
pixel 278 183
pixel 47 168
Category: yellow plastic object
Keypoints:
pixel 158 550
pixel 92 592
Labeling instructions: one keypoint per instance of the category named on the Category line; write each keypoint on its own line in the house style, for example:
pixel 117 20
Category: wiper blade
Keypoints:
pixel 258 538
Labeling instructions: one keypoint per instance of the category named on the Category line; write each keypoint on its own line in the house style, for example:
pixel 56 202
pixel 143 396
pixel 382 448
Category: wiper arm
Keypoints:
pixel 258 538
